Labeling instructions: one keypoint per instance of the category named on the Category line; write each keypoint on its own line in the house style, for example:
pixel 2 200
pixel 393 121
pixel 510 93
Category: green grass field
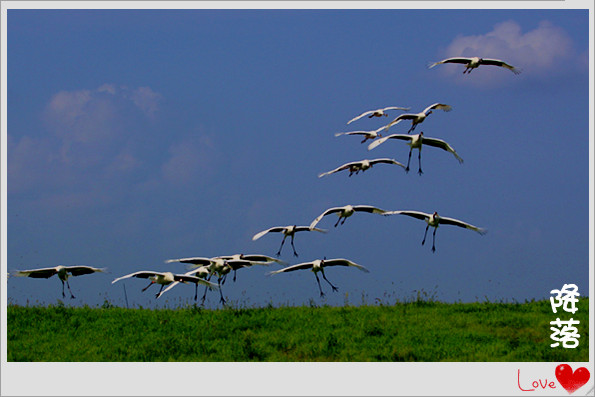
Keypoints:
pixel 413 331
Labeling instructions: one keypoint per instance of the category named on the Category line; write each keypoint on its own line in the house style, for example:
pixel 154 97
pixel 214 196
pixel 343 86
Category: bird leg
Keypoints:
pixel 195 292
pixel 202 302
pixel 281 247
pixel 338 220
pixel 412 128
pixel 425 234
pixel 234 276
pixel 222 300
pixel 332 286
pixel 408 160
pixel 69 290
pixel 434 240
pixel 160 289
pixel 144 289
pixel 293 246
pixel 63 296
pixel 419 160
pixel 343 221
pixel 319 287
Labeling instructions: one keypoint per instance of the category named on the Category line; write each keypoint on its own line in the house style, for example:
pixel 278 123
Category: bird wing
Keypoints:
pixel 360 116
pixel 387 161
pixel 437 105
pixel 261 258
pixel 343 262
pixel 368 208
pixel 275 229
pixel 341 168
pixel 185 278
pixel 451 60
pixel 36 273
pixel 299 266
pixel 80 270
pixel 195 261
pixel 404 116
pixel 380 141
pixel 309 229
pixel 141 274
pixel 395 108
pixel 439 143
pixel 497 62
pixel 414 214
pixel 456 222
pixel 328 211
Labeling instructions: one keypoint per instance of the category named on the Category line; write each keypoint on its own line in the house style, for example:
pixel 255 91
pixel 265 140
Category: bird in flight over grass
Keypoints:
pixel 218 266
pixel 318 266
pixel 417 118
pixel 475 62
pixel 416 142
pixel 288 231
pixel 362 165
pixel 165 278
pixel 377 113
pixel 63 272
pixel 436 220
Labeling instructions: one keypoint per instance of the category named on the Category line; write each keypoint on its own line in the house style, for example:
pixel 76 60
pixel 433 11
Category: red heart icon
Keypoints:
pixel 569 380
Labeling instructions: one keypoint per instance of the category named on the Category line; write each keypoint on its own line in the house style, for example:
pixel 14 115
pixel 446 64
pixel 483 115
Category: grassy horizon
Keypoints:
pixel 421 330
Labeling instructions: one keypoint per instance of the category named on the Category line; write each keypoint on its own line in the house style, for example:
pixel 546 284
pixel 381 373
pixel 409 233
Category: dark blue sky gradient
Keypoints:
pixel 135 136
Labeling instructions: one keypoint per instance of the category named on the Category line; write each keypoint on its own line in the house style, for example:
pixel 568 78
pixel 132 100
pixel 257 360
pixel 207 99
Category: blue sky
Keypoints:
pixel 135 136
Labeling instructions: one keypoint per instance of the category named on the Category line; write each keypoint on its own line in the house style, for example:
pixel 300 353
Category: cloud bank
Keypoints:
pixel 541 51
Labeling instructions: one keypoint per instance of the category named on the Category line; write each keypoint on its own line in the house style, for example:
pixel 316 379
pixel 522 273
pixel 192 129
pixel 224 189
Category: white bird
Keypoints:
pixel 165 278
pixel 475 62
pixel 417 118
pixel 376 113
pixel 435 220
pixel 200 272
pixel 367 134
pixel 288 231
pixel 362 165
pixel 63 272
pixel 259 258
pixel 219 266
pixel 416 142
pixel 346 211
pixel 318 266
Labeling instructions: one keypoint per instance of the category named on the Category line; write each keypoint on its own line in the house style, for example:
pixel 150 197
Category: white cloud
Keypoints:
pixel 538 51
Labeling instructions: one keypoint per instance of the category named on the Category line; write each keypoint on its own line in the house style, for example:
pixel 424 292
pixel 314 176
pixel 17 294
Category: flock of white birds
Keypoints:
pixel 203 269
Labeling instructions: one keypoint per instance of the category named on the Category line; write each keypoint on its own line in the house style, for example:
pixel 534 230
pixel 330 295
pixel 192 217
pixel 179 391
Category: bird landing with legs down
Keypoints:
pixel 288 231
pixel 318 266
pixel 63 272
pixel 436 220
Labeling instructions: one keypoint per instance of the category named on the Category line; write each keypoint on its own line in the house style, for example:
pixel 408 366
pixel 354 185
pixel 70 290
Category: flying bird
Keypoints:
pixel 288 231
pixel 318 266
pixel 63 272
pixel 346 211
pixel 376 113
pixel 165 278
pixel 367 134
pixel 362 165
pixel 417 118
pixel 416 142
pixel 218 266
pixel 475 62
pixel 436 220
pixel 200 272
